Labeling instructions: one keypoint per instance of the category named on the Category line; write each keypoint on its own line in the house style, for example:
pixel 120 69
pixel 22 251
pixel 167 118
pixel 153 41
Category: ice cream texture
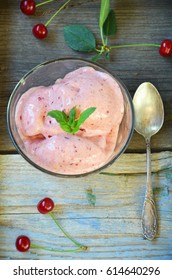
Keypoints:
pixel 93 145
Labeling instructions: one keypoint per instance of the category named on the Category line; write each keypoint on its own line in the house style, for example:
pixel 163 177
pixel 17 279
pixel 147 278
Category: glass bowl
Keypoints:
pixel 46 74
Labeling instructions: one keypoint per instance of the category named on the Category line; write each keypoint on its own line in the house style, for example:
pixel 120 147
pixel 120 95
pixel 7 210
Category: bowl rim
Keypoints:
pixel 19 150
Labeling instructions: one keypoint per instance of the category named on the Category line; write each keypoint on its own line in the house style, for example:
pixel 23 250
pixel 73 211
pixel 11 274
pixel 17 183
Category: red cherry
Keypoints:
pixel 40 31
pixel 28 7
pixel 45 205
pixel 166 48
pixel 22 243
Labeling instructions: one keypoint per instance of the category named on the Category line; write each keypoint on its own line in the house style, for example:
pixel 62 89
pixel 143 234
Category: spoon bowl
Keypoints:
pixel 149 110
pixel 149 118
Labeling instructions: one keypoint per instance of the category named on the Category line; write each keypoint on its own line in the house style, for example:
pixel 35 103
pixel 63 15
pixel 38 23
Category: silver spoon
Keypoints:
pixel 149 118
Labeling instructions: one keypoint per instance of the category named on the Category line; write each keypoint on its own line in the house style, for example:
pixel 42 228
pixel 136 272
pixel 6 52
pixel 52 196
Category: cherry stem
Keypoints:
pixel 66 234
pixel 45 2
pixel 102 37
pixel 52 250
pixel 134 45
pixel 61 8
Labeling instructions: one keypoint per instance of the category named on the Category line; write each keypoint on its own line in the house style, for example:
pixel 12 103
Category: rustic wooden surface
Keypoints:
pixel 110 227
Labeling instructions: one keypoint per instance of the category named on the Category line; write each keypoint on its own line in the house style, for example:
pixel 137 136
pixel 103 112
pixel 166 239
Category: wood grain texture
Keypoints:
pixel 111 228
pixel 109 220
pixel 138 22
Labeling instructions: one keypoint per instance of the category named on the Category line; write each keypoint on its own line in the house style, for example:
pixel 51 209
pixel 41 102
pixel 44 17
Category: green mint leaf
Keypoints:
pixel 66 127
pixel 72 115
pixel 58 115
pixel 84 115
pixel 104 11
pixel 109 26
pixel 75 129
pixel 79 38
pixel 69 123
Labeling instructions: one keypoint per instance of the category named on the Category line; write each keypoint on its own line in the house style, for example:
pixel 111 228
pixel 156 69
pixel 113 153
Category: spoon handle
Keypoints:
pixel 149 217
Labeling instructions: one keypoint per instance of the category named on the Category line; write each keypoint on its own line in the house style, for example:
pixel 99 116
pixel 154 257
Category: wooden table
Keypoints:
pixel 102 211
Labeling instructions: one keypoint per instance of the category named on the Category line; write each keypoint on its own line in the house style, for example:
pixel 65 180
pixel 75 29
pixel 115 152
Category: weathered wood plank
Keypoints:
pixel 126 163
pixel 123 177
pixel 111 226
pixel 106 238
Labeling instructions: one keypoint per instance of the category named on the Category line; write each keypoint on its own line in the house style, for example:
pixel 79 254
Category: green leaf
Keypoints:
pixel 79 38
pixel 84 115
pixel 66 127
pixel 75 129
pixel 72 116
pixel 69 123
pixel 104 11
pixel 58 115
pixel 109 26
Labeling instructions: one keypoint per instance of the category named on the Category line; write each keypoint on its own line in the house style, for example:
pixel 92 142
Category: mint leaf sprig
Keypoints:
pixel 81 38
pixel 69 123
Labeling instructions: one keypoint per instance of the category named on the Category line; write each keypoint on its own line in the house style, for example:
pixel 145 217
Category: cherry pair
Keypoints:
pixel 45 206
pixel 28 7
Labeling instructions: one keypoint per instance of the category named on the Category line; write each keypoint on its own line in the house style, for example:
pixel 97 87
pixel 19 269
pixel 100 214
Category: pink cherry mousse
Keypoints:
pixel 91 147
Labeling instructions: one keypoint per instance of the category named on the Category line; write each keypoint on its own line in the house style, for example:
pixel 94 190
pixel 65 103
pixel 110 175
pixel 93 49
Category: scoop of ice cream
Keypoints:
pixel 67 153
pixel 91 147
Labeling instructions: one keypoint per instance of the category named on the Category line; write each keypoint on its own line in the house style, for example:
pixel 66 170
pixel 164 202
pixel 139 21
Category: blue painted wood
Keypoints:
pixel 108 222
pixel 111 227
